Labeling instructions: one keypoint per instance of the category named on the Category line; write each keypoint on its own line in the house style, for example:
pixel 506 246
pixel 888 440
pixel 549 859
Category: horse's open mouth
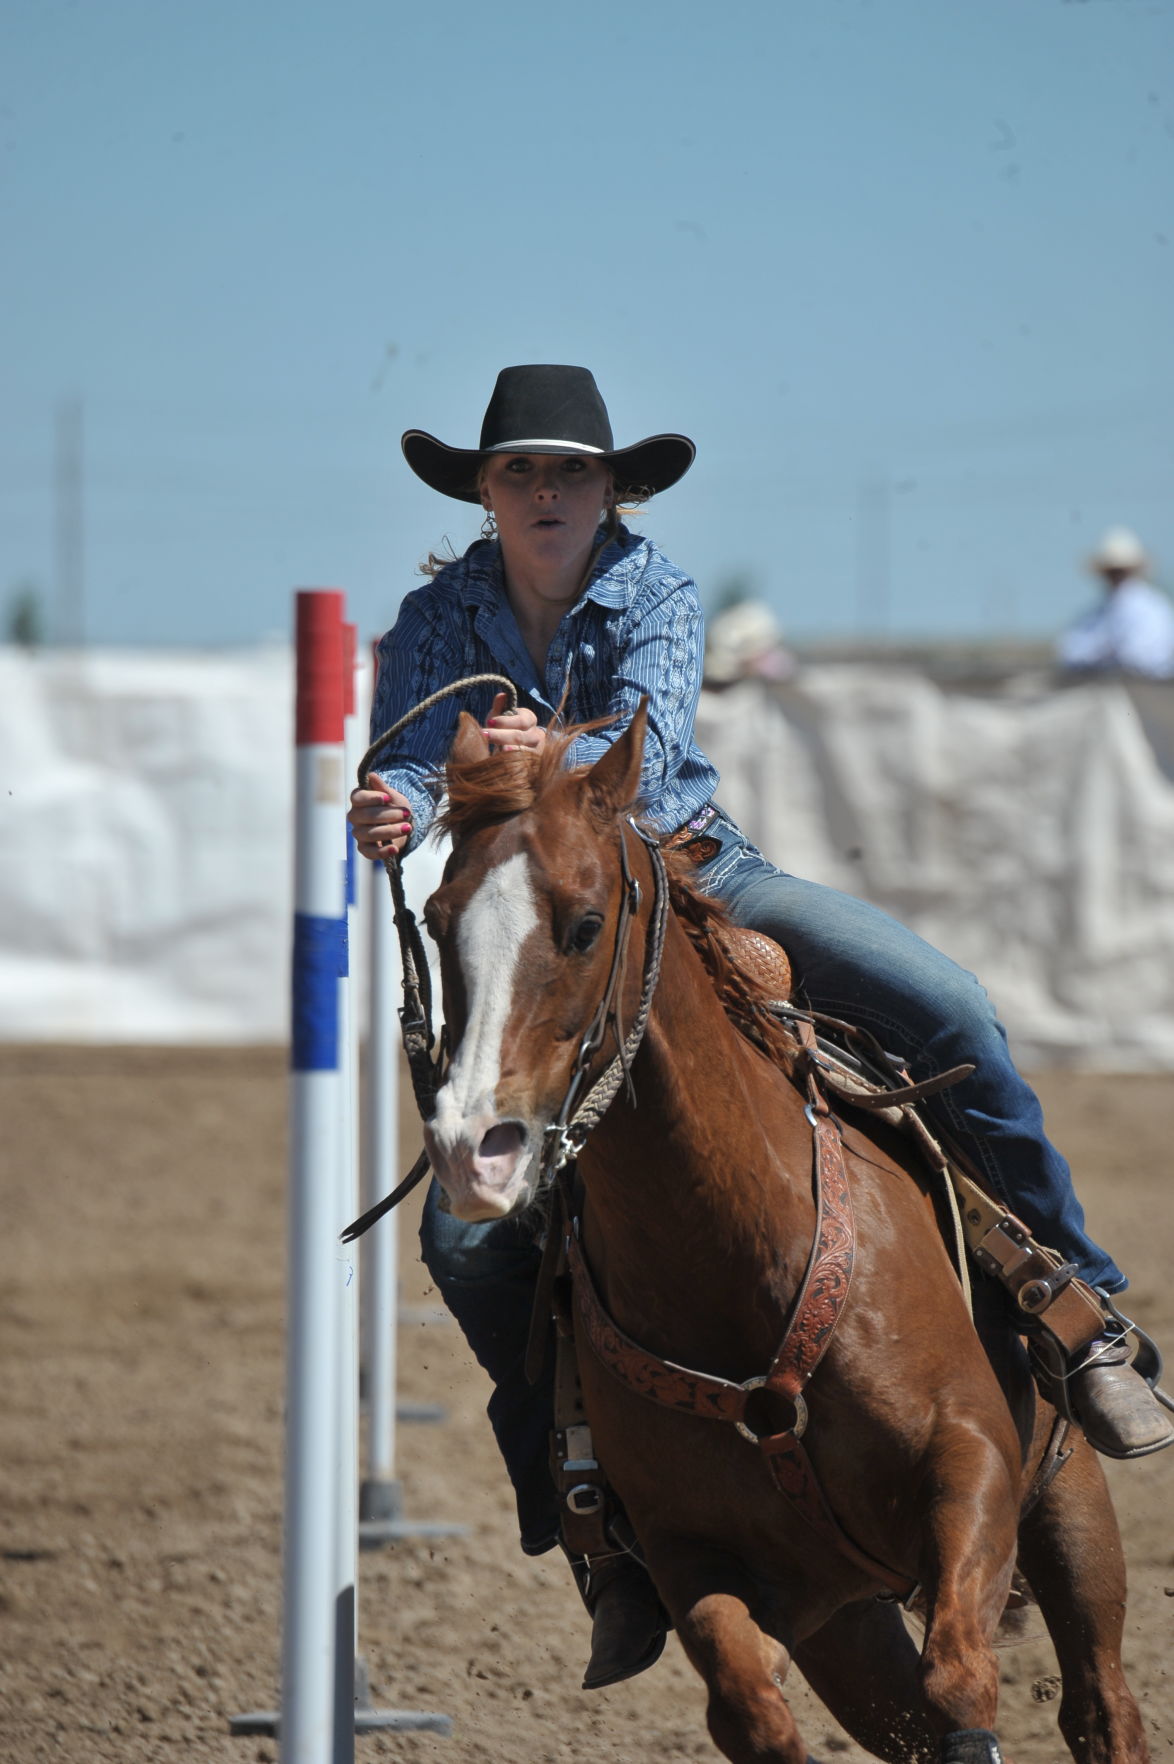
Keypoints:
pixel 497 1176
pixel 505 1140
pixel 487 1182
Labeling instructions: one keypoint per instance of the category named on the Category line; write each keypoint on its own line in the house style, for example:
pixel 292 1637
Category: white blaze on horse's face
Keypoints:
pixel 483 1162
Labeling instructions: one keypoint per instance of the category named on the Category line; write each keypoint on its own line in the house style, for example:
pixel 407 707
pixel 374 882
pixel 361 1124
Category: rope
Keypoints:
pixel 426 704
pixel 564 1139
pixel 416 1014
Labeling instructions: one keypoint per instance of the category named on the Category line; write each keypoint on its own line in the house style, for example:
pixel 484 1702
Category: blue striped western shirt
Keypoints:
pixel 636 629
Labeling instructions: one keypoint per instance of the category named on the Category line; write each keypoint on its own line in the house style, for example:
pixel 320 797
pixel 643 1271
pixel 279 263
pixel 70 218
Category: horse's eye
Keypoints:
pixel 585 933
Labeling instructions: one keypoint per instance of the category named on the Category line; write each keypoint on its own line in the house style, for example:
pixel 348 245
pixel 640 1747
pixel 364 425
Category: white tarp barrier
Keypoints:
pixel 1032 839
pixel 145 881
pixel 145 842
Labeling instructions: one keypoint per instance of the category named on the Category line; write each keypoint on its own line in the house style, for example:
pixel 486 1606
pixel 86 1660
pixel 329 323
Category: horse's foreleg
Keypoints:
pixel 864 1665
pixel 967 1563
pixel 1070 1550
pixel 748 1716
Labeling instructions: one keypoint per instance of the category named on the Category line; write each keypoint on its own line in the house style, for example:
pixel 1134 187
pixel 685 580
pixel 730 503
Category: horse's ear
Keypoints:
pixel 469 743
pixel 613 783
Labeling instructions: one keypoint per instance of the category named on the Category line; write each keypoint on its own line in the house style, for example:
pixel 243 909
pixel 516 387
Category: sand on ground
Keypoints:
pixel 141 1314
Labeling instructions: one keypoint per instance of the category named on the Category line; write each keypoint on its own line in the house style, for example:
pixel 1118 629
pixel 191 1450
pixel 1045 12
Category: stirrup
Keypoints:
pixel 1147 1359
pixel 1123 1346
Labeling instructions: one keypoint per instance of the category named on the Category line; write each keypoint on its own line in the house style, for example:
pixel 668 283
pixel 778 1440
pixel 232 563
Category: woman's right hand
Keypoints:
pixel 380 818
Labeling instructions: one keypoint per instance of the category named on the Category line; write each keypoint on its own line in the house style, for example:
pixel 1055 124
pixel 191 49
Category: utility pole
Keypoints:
pixel 68 524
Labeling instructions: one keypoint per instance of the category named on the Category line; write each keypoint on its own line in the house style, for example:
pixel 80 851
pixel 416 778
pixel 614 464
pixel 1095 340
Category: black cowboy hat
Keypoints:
pixel 544 409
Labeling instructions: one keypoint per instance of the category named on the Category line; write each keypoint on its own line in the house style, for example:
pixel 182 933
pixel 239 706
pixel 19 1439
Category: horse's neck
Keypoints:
pixel 700 1197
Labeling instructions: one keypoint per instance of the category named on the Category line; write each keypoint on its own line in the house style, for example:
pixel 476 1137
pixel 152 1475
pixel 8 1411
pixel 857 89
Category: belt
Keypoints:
pixel 690 838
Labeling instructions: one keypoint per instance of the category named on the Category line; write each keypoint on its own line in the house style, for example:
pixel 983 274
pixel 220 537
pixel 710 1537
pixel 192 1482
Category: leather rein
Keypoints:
pixel 426 1060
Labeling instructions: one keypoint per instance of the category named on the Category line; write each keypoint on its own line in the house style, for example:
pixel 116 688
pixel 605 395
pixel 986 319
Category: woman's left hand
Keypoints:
pixel 510 731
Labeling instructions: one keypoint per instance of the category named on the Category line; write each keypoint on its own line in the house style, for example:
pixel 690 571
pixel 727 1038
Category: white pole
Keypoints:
pixel 308 1626
pixel 346 1516
pixel 381 1497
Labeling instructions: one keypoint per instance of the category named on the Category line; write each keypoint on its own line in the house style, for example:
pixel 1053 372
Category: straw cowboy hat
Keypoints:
pixel 548 409
pixel 1119 549
pixel 745 642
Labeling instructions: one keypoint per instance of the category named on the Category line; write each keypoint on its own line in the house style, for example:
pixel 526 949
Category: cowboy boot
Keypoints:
pixel 628 1621
pixel 1118 1412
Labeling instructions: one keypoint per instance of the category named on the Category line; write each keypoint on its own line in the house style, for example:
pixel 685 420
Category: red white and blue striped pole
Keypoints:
pixel 319 1715
pixel 308 1679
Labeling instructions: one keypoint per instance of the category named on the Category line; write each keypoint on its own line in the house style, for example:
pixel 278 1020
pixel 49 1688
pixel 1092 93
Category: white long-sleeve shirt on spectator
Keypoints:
pixel 1132 629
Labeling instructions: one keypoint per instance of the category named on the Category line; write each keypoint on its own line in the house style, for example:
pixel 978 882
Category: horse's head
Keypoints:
pixel 524 920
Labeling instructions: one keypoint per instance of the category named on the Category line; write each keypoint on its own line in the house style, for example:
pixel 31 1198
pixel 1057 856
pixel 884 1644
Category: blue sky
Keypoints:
pixel 904 269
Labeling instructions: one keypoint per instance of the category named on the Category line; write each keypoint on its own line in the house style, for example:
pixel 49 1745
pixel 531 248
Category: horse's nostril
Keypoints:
pixel 506 1137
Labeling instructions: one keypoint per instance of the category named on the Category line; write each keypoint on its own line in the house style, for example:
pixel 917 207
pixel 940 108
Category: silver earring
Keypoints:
pixel 489 525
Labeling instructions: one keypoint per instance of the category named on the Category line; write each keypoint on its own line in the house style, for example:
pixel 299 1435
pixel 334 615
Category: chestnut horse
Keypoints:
pixel 698 1228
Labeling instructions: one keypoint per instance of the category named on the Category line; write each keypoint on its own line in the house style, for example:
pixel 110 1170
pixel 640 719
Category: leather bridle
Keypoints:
pixel 565 1137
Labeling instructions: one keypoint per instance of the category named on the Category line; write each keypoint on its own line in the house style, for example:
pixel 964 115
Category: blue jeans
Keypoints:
pixel 852 961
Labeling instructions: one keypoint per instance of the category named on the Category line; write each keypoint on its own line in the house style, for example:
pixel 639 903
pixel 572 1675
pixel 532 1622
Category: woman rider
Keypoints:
pixel 579 612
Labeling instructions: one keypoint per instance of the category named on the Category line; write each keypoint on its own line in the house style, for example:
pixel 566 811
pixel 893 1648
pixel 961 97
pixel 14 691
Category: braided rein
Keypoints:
pixel 418 710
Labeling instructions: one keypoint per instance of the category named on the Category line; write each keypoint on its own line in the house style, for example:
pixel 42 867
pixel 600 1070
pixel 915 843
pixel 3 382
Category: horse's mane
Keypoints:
pixel 484 791
pixel 745 1000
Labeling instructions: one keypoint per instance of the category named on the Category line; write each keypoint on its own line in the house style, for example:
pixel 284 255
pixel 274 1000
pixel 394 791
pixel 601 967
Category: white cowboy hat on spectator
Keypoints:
pixel 1119 549
pixel 745 642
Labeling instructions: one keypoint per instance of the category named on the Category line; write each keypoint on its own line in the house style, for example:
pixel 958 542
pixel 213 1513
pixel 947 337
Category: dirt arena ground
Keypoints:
pixel 140 1453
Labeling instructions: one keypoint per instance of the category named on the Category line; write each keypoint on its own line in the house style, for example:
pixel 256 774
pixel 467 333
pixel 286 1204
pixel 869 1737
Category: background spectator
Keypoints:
pixel 745 642
pixel 1133 627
